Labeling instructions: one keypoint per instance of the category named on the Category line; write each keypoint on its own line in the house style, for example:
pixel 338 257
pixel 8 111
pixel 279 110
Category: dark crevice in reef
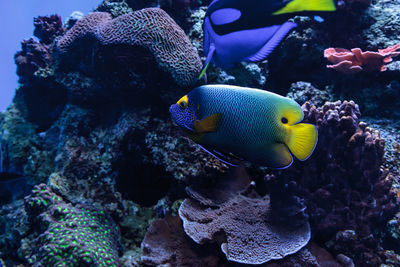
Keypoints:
pixel 136 178
pixel 12 187
pixel 136 181
pixel 43 103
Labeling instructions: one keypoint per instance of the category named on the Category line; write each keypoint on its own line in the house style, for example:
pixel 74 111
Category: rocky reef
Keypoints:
pixel 96 174
pixel 345 188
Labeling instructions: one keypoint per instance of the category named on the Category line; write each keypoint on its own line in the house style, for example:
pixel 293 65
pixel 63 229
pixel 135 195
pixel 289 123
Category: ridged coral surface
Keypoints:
pixel 150 28
pixel 70 235
pixel 84 28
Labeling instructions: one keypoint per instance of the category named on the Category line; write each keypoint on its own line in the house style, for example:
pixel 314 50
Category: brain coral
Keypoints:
pixel 70 235
pixel 83 29
pixel 150 28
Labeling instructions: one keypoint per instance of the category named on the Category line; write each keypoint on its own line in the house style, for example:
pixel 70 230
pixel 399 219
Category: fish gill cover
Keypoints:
pixel 89 129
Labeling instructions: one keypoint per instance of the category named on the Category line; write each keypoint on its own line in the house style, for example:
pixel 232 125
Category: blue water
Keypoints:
pixel 18 15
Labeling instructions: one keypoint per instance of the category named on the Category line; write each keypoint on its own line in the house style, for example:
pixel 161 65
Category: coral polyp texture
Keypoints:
pixel 47 27
pixel 166 243
pixel 241 222
pixel 37 55
pixel 152 29
pixel 33 56
pixel 70 235
pixel 347 193
pixel 85 28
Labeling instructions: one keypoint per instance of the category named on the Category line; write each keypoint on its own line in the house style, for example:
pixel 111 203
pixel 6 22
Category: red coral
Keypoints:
pixel 356 60
pixel 47 28
pixel 34 55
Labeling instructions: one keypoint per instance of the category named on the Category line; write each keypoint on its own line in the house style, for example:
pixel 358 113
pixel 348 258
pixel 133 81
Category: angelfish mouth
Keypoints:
pixel 170 109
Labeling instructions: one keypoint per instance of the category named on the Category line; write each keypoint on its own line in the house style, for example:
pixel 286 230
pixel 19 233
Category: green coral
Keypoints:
pixel 70 235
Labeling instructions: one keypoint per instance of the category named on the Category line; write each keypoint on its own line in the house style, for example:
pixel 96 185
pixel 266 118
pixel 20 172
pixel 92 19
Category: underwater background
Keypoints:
pixel 94 172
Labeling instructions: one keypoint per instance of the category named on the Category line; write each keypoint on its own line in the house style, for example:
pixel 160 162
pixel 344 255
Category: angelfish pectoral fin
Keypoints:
pixel 208 60
pixel 302 140
pixel 208 124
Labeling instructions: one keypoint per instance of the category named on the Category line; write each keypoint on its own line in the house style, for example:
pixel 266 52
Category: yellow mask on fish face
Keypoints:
pixel 183 102
pixel 300 138
pixel 290 114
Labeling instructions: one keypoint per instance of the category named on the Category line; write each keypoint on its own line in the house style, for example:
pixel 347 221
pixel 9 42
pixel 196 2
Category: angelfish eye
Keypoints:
pixel 183 102
pixel 284 120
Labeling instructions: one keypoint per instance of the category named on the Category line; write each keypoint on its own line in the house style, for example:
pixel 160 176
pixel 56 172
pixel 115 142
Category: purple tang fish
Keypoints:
pixel 240 30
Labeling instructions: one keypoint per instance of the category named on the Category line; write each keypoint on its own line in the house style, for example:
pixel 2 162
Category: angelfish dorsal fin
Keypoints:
pixel 208 124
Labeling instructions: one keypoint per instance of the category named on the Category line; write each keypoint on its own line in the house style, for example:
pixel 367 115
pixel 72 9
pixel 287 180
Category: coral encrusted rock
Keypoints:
pixel 241 221
pixel 302 92
pixel 151 29
pixel 38 55
pixel 47 28
pixel 33 56
pixel 166 243
pixel 70 235
pixel 347 193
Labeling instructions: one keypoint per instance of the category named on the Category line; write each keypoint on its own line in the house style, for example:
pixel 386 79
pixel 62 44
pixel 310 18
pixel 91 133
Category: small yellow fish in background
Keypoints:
pixel 232 123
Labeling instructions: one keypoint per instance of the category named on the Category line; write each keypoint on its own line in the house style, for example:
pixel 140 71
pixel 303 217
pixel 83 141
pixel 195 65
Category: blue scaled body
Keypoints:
pixel 251 124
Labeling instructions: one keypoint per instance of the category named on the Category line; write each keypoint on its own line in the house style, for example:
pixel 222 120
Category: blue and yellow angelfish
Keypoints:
pixel 234 122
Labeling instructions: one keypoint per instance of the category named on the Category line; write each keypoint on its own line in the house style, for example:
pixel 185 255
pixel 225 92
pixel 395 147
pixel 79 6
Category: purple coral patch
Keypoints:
pixel 242 223
pixel 165 243
pixel 47 28
pixel 343 184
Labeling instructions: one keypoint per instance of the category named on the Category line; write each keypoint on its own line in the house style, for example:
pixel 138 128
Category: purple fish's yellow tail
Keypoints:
pixel 307 5
pixel 208 60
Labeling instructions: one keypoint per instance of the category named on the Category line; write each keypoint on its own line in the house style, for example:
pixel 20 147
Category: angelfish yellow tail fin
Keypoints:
pixel 302 140
pixel 307 5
